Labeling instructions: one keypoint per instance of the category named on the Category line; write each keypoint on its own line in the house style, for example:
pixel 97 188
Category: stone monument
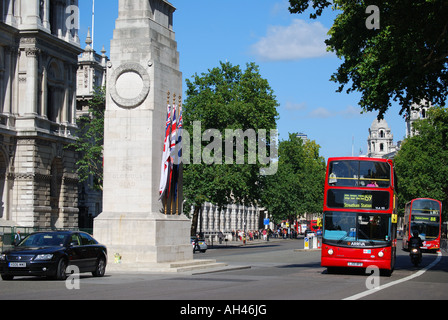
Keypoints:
pixel 143 69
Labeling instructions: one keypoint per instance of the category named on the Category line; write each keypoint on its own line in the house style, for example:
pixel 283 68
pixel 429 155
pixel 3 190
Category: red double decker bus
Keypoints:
pixel 360 220
pixel 423 215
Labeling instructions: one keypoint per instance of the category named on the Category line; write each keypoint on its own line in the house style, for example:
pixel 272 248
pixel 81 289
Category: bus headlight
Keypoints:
pixel 330 251
pixel 380 254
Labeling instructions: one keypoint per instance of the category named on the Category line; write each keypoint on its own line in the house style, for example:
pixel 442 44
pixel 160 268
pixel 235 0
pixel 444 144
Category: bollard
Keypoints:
pixel 306 243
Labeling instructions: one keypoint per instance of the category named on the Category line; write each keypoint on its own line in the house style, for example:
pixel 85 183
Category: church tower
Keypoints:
pixel 417 112
pixel 380 139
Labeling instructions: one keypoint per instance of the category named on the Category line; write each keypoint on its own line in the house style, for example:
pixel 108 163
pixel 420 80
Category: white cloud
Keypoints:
pixel 295 106
pixel 324 113
pixel 351 112
pixel 300 40
pixel 320 113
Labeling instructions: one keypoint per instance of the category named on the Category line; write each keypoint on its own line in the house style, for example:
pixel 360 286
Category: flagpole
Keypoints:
pixel 178 162
pixel 93 24
pixel 170 185
pixel 167 103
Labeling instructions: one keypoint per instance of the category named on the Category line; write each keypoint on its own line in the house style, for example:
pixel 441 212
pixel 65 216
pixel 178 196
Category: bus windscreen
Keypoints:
pixel 425 206
pixel 354 173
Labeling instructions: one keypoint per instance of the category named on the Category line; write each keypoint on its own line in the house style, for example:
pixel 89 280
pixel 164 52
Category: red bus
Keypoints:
pixel 360 219
pixel 423 215
pixel 314 226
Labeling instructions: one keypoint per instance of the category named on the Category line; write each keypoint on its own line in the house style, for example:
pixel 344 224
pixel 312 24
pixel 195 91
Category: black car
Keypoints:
pixel 50 253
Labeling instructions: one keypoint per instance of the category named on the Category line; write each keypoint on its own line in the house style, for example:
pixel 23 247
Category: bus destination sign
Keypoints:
pixel 358 201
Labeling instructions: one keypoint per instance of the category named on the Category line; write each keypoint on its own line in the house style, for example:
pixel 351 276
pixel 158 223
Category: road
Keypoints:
pixel 277 272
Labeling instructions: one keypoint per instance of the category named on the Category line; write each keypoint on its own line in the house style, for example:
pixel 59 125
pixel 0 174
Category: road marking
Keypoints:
pixel 390 284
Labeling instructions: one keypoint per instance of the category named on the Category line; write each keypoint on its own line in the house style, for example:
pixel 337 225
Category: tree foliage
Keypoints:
pixel 90 139
pixel 422 162
pixel 405 60
pixel 225 98
pixel 298 186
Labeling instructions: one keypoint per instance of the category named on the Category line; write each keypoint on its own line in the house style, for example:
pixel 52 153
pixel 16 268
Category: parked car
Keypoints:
pixel 202 244
pixel 50 253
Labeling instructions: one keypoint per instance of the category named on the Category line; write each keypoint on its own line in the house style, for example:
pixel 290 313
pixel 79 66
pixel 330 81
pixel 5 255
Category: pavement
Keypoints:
pixel 235 243
pixel 195 266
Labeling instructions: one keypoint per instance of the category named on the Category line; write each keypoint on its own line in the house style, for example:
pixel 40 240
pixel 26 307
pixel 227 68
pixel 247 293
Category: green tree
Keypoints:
pixel 224 100
pixel 89 142
pixel 282 192
pixel 298 186
pixel 405 60
pixel 312 177
pixel 422 162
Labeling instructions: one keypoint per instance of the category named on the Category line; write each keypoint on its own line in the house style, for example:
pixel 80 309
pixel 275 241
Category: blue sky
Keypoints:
pixel 289 50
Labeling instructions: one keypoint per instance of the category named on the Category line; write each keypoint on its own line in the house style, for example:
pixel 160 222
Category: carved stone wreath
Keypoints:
pixel 133 75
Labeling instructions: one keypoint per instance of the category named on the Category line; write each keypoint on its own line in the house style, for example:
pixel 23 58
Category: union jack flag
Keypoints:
pixel 166 159
pixel 172 147
pixel 173 132
pixel 180 127
pixel 177 170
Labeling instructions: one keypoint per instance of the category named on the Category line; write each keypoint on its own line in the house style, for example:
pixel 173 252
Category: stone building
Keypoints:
pixel 417 112
pixel 233 217
pixel 380 140
pixel 39 48
pixel 90 76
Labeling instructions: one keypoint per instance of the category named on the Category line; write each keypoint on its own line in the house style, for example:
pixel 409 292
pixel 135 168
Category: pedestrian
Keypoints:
pixel 196 244
pixel 17 238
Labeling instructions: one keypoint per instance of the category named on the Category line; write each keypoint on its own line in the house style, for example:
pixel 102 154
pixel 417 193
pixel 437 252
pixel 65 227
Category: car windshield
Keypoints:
pixel 44 240
pixel 353 226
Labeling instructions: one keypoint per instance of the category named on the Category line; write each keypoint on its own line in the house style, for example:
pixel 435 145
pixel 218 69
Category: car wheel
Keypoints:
pixel 61 273
pixel 100 268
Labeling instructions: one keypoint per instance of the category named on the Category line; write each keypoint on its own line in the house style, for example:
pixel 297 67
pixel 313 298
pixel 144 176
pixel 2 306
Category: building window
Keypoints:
pixel 2 11
pixel 53 18
pixel 3 186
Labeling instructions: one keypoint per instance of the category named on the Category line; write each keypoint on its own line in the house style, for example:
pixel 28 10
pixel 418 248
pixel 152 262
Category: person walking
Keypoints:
pixel 196 244
pixel 17 238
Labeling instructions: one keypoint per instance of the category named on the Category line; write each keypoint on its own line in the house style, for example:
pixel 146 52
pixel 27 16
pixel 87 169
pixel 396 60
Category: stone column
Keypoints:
pixel 205 218
pixel 32 78
pixel 233 218
pixel 44 98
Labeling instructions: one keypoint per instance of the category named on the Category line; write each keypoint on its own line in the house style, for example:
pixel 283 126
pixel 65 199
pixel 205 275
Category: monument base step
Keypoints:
pixel 178 266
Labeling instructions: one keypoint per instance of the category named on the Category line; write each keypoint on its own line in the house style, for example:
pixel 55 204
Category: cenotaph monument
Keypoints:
pixel 143 70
